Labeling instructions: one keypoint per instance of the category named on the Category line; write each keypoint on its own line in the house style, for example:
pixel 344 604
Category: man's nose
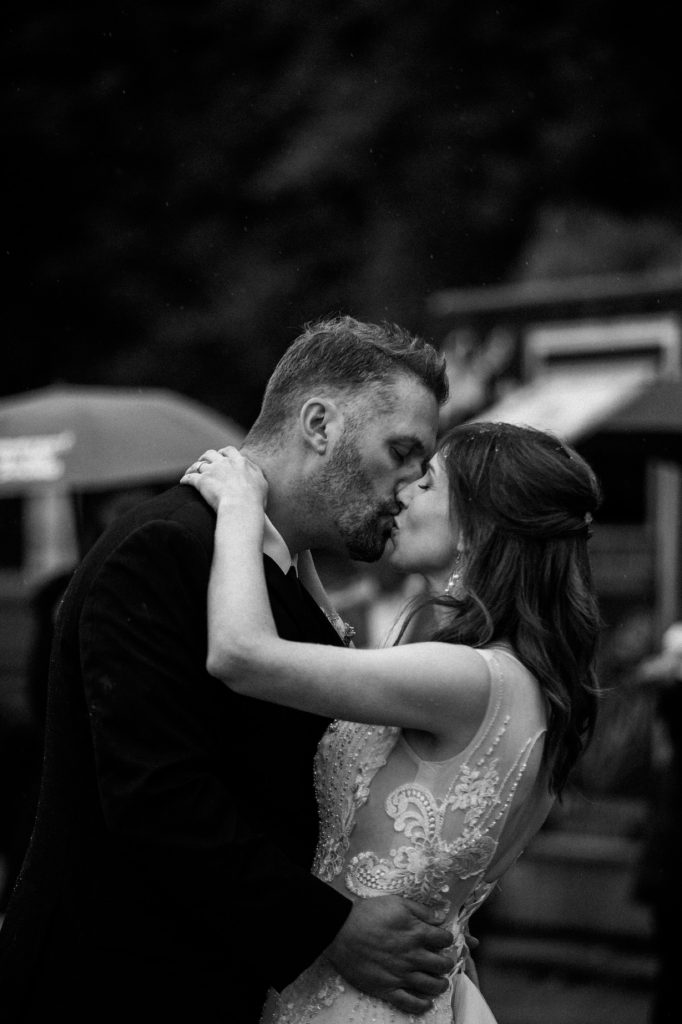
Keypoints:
pixel 404 493
pixel 412 471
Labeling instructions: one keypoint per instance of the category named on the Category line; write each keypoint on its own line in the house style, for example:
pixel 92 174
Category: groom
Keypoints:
pixel 168 875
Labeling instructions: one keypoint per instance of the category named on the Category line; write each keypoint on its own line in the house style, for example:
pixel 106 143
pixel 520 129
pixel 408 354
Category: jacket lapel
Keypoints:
pixel 297 615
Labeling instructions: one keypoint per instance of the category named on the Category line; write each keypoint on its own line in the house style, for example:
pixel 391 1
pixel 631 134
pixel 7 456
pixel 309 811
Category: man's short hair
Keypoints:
pixel 344 354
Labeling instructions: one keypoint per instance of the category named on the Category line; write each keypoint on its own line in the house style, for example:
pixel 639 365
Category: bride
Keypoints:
pixel 445 755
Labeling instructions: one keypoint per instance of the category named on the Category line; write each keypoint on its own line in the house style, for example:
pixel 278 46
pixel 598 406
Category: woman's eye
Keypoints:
pixel 424 487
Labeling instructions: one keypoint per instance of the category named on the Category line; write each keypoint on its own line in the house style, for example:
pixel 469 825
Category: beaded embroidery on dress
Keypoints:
pixel 432 831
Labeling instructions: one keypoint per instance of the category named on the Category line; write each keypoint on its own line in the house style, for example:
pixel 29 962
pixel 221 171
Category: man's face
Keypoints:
pixel 377 454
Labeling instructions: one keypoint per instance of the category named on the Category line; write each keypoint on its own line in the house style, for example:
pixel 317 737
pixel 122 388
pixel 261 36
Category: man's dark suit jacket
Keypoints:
pixel 168 875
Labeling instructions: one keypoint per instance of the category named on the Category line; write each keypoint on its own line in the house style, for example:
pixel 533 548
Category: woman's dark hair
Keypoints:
pixel 524 502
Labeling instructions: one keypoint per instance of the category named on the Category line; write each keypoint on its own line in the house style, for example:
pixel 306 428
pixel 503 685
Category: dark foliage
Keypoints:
pixel 189 183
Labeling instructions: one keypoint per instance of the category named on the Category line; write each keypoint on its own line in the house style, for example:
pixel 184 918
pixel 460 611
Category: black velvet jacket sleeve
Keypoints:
pixel 200 789
pixel 176 824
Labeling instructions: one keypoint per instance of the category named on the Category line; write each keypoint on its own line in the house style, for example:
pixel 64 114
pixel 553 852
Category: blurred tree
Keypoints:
pixel 190 183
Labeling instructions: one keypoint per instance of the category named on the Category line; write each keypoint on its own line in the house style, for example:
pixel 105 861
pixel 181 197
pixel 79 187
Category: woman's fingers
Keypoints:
pixel 209 456
pixel 225 473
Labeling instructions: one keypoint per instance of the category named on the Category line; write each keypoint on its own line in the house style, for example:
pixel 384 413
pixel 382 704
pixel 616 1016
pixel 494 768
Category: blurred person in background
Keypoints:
pixel 445 755
pixel 176 822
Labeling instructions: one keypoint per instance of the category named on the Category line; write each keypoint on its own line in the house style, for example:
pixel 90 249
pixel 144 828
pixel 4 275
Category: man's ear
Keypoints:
pixel 319 421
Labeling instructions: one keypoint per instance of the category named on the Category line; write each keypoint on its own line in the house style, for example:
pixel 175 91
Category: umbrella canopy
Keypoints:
pixel 84 437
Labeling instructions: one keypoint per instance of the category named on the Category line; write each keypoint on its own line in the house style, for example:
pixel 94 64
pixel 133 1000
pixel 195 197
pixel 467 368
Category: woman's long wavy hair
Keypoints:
pixel 524 502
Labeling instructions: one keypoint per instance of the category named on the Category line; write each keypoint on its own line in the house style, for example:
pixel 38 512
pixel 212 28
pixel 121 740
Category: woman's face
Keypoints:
pixel 425 536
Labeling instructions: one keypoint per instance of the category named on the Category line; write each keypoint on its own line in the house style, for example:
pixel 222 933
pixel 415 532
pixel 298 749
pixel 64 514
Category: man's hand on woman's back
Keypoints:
pixel 394 948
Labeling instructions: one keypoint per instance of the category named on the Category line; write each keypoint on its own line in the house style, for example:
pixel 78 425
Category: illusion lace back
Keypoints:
pixel 438 832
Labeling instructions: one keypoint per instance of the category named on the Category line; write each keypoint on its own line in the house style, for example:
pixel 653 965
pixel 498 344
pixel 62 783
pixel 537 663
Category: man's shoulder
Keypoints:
pixel 179 512
pixel 180 504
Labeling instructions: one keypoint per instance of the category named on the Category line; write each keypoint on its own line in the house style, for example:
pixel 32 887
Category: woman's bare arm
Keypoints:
pixel 418 686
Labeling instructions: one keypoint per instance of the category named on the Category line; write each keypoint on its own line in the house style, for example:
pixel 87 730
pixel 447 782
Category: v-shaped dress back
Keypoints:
pixel 440 833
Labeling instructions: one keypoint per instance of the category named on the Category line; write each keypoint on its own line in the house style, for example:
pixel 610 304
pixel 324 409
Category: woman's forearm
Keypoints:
pixel 238 604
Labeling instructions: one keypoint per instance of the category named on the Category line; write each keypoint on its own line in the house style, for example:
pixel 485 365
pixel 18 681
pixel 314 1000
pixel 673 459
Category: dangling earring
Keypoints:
pixel 455 587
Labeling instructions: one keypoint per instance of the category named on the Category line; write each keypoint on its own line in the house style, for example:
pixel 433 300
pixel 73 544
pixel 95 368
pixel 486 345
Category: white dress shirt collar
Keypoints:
pixel 275 547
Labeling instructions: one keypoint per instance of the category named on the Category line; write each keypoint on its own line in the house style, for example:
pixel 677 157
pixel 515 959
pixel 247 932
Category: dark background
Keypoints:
pixel 190 182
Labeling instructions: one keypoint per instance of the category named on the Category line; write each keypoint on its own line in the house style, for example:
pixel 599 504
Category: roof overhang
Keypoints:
pixel 656 409
pixel 574 402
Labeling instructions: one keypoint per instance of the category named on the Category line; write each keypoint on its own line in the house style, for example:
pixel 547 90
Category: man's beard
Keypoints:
pixel 347 494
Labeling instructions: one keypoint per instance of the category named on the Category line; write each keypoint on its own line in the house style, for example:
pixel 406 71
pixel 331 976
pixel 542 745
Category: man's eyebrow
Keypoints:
pixel 414 443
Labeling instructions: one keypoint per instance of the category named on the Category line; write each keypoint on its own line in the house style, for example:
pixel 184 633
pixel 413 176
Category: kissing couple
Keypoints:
pixel 243 817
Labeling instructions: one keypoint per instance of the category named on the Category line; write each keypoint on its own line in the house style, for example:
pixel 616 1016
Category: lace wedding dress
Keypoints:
pixel 440 832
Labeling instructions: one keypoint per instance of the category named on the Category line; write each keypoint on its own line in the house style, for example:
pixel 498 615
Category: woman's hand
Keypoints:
pixel 227 477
